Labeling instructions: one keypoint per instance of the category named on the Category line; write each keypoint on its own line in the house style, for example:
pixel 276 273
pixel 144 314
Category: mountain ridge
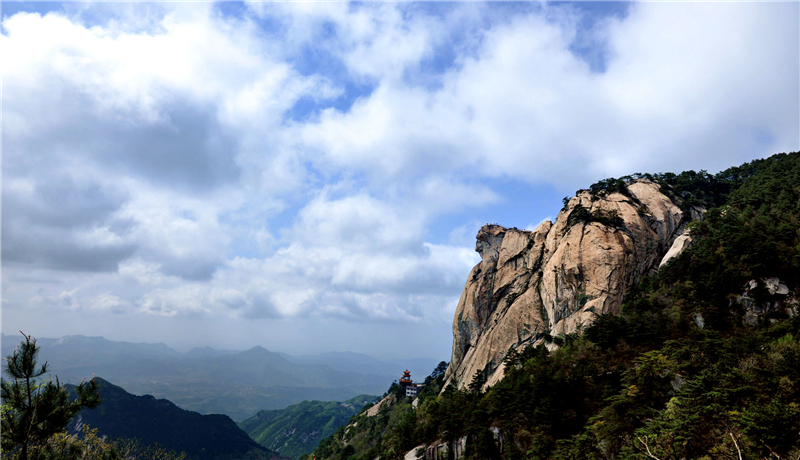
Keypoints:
pixel 122 415
pixel 298 429
pixel 236 383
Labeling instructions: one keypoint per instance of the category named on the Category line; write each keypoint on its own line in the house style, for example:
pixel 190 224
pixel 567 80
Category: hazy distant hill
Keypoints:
pixel 235 383
pixel 299 428
pixel 8 342
pixel 357 362
pixel 79 350
pixel 151 420
pixel 207 352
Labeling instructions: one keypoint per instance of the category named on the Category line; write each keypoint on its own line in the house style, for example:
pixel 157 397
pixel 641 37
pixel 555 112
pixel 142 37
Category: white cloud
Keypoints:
pixel 153 162
pixel 375 42
pixel 531 227
pixel 681 79
pixel 109 302
pixel 141 272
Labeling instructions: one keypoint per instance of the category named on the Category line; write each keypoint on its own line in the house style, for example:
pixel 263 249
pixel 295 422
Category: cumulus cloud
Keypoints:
pixel 679 80
pixel 128 133
pixel 296 160
pixel 61 224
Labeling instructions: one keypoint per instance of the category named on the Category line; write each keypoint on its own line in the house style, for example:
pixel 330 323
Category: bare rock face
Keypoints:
pixel 776 297
pixel 559 277
pixel 678 246
pixel 375 409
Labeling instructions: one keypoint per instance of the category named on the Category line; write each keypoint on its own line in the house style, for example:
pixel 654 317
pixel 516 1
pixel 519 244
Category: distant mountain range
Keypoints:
pixel 79 350
pixel 298 429
pixel 348 361
pixel 207 352
pixel 122 415
pixel 235 383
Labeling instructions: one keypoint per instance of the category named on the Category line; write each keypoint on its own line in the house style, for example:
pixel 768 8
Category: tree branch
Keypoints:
pixel 650 454
pixel 736 444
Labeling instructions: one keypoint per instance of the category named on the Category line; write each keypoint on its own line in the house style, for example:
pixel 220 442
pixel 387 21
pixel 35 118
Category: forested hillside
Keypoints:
pixel 298 429
pixel 702 362
pixel 122 415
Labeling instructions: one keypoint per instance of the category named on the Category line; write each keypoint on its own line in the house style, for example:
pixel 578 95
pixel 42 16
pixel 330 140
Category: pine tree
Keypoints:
pixel 34 410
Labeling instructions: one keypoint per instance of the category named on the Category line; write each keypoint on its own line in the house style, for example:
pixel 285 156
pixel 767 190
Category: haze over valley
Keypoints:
pixel 235 383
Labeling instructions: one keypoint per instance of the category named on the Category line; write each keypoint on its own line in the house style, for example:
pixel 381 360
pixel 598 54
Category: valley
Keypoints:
pixel 234 383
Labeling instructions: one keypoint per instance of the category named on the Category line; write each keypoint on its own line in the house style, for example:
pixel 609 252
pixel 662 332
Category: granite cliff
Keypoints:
pixel 534 285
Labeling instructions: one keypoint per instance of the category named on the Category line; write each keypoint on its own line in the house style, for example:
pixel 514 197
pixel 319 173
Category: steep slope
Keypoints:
pixel 202 437
pixel 299 428
pixel 561 276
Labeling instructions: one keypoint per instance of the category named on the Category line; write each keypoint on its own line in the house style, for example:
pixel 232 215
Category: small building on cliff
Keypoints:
pixel 411 389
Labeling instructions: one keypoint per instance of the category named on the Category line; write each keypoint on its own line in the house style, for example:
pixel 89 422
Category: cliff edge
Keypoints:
pixel 531 285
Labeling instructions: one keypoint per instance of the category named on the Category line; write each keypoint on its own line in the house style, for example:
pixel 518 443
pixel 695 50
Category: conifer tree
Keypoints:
pixel 33 409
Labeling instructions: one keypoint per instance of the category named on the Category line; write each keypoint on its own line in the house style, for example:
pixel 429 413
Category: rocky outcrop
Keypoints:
pixel 387 401
pixel 774 296
pixel 559 277
pixel 678 246
pixel 439 450
pixel 412 454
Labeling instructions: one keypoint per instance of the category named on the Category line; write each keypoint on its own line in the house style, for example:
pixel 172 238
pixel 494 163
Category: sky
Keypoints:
pixel 310 177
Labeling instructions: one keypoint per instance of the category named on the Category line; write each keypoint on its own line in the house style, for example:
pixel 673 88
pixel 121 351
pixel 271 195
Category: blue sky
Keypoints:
pixel 311 176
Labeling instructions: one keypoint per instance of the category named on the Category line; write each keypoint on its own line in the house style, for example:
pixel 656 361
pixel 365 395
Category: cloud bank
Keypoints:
pixel 269 161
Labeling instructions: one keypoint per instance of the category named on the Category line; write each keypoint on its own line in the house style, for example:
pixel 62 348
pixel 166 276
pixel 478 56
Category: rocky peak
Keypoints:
pixel 488 241
pixel 559 277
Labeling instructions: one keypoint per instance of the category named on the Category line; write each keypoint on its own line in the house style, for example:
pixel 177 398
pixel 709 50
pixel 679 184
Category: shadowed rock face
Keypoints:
pixel 559 277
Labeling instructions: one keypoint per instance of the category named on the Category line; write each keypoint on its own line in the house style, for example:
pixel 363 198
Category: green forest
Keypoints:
pixel 702 363
pixel 297 429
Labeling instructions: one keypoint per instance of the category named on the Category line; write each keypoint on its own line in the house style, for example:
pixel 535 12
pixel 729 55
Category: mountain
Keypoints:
pixel 8 343
pixel 298 429
pixel 206 352
pixel 261 366
pixel 122 415
pixel 83 351
pixel 676 340
pixel 235 383
pixel 561 276
pixel 238 384
pixel 358 362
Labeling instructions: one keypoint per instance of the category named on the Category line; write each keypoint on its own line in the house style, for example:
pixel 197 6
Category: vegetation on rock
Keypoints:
pixel 703 362
pixel 581 214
